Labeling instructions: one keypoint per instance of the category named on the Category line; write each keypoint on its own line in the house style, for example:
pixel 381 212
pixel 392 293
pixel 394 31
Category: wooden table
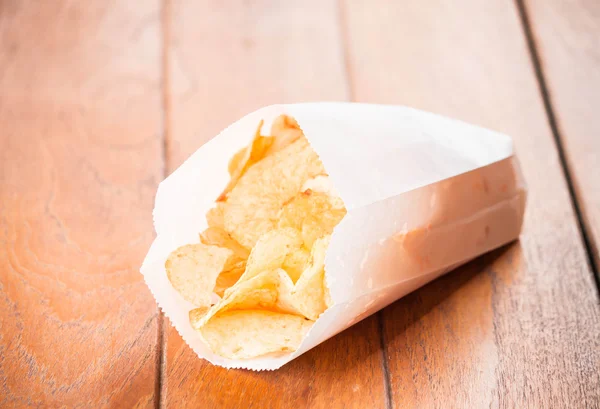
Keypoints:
pixel 100 100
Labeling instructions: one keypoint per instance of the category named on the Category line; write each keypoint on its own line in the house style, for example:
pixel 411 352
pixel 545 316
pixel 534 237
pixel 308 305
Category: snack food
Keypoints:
pixel 422 194
pixel 264 250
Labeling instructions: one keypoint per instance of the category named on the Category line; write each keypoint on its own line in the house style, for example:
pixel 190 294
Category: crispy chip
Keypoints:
pixel 308 294
pixel 261 293
pixel 215 236
pixel 237 161
pixel 321 184
pixel 232 328
pixel 235 265
pixel 271 251
pixel 228 278
pixel 197 313
pixel 270 290
pixel 282 124
pixel 264 250
pixel 244 159
pixel 265 305
pixel 214 217
pixel 296 262
pixel 313 228
pixel 286 131
pixel 193 270
pixel 294 211
pixel 315 214
pixel 253 204
pixel 250 333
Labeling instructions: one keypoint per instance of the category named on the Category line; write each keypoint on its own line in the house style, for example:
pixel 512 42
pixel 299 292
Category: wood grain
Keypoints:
pixel 244 56
pixel 519 327
pixel 81 153
pixel 80 159
pixel 567 36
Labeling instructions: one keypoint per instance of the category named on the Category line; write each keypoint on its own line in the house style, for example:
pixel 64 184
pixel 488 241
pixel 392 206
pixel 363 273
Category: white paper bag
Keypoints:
pixel 424 194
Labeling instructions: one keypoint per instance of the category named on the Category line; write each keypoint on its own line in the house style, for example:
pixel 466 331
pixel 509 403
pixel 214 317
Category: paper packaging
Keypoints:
pixel 424 194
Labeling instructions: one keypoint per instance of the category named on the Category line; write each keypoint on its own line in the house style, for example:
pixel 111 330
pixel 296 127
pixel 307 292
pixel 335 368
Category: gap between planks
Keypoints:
pixel 343 27
pixel 159 394
pixel 542 84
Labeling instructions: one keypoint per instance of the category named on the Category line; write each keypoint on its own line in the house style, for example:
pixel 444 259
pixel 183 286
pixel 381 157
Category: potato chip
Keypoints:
pixel 271 251
pixel 296 262
pixel 260 294
pixel 245 158
pixel 308 293
pixel 214 217
pixel 271 290
pixel 315 214
pixel 253 204
pixel 237 161
pixel 193 270
pixel 215 236
pixel 285 131
pixel 235 327
pixel 314 228
pixel 258 312
pixel 321 184
pixel 282 124
pixel 230 326
pixel 235 265
pixel 264 250
pixel 293 212
pixel 251 333
pixel 228 278
pixel 197 313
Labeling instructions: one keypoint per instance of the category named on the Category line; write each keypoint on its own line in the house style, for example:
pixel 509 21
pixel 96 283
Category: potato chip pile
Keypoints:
pixel 263 253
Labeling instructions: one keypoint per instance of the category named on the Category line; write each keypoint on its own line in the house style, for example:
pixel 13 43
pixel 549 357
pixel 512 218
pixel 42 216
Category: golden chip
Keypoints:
pixel 235 265
pixel 214 217
pixel 251 333
pixel 315 214
pixel 237 161
pixel 308 293
pixel 215 236
pixel 193 270
pixel 228 278
pixel 198 313
pixel 285 131
pixel 270 290
pixel 245 158
pixel 264 250
pixel 251 320
pixel 322 184
pixel 253 204
pixel 271 251
pixel 296 262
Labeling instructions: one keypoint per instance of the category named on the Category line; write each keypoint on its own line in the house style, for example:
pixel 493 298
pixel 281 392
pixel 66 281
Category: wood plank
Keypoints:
pixel 519 327
pixel 80 159
pixel 567 35
pixel 241 57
